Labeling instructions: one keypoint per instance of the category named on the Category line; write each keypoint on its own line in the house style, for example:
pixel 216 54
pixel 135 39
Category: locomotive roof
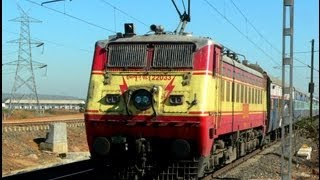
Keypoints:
pixel 241 66
pixel 198 41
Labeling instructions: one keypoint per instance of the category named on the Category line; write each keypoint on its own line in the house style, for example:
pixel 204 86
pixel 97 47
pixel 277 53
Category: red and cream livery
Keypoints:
pixel 173 99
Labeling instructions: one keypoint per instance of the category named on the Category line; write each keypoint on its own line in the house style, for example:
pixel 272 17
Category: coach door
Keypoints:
pixel 218 80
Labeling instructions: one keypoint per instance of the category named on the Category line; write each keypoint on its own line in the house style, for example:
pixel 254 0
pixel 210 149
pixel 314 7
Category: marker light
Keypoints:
pixel 176 99
pixel 112 98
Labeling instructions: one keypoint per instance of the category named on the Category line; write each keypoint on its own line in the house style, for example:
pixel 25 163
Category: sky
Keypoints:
pixel 70 28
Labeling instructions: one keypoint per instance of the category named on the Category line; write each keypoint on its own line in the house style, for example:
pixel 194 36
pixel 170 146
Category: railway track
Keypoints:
pixel 21 126
pixel 28 123
pixel 46 119
pixel 86 170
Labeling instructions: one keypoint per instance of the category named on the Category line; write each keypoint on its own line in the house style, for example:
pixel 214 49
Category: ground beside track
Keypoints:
pixel 20 150
pixel 267 164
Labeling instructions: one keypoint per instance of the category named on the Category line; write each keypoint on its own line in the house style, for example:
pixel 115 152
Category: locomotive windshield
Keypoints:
pixel 164 55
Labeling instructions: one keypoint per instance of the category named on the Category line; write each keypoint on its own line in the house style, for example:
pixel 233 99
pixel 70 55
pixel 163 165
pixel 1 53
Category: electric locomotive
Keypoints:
pixel 172 103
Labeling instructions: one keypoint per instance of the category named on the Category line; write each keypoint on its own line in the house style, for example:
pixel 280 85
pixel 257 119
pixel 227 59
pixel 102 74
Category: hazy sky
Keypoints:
pixel 69 36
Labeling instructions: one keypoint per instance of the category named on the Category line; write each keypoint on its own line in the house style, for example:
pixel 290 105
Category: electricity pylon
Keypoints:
pixel 24 86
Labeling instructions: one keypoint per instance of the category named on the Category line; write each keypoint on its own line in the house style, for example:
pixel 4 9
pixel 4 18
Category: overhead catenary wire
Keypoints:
pixel 304 52
pixel 244 16
pixel 51 42
pixel 71 16
pixel 305 64
pixel 234 26
pixel 123 12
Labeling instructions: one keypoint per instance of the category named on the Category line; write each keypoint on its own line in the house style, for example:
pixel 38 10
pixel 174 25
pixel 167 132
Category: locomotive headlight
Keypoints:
pixel 145 99
pixel 112 98
pixel 142 99
pixel 176 99
pixel 138 99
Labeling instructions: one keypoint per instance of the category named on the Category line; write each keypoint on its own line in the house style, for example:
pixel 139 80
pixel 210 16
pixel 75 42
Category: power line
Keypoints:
pixel 51 42
pixel 254 27
pixel 87 22
pixel 305 64
pixel 123 12
pixel 302 52
pixel 266 39
pixel 214 8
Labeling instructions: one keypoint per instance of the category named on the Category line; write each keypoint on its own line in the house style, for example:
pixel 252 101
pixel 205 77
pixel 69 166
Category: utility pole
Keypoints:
pixel 311 84
pixel 286 111
pixel 24 85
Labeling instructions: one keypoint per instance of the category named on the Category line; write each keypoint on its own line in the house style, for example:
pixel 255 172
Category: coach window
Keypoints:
pixel 238 92
pixel 245 94
pixel 252 97
pixel 229 72
pixel 234 87
pixel 228 91
pixel 249 95
pixel 257 96
pixel 241 93
pixel 260 96
pixel 222 90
